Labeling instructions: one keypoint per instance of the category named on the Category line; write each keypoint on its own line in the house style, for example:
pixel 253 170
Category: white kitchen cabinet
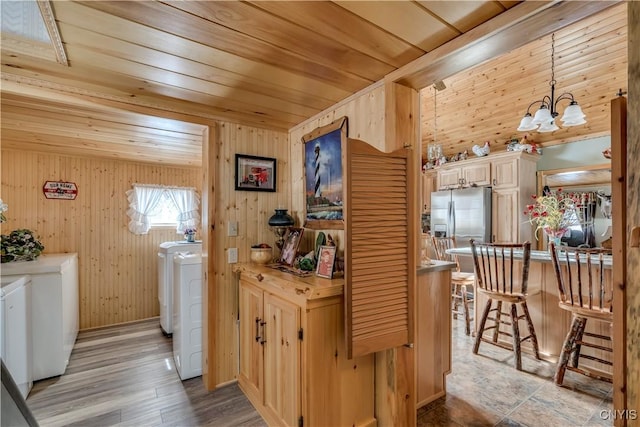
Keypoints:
pixel 54 309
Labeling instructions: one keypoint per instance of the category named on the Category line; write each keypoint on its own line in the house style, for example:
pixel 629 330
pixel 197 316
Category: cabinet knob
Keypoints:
pixel 260 277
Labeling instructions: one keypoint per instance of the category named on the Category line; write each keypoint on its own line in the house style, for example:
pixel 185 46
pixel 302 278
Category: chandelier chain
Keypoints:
pixel 435 115
pixel 553 63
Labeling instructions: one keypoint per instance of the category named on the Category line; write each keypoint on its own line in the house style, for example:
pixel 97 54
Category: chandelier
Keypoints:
pixel 545 118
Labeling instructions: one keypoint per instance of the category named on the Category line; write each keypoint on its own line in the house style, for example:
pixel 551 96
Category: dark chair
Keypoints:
pixel 583 292
pixel 462 284
pixel 503 279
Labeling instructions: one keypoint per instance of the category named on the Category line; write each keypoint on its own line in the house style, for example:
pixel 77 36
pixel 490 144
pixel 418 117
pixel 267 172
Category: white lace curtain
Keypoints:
pixel 187 202
pixel 144 200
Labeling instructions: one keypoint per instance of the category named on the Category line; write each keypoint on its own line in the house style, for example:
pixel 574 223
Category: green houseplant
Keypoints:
pixel 20 245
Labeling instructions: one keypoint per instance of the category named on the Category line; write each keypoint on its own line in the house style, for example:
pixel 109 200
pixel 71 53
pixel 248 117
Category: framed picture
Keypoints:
pixel 255 173
pixel 326 258
pixel 290 246
pixel 323 175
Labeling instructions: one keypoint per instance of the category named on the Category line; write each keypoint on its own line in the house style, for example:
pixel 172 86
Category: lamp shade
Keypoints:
pixel 543 115
pixel 573 115
pixel 548 126
pixel 525 123
pixel 281 219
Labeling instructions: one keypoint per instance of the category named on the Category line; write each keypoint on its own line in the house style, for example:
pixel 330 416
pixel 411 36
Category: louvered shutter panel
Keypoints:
pixel 380 266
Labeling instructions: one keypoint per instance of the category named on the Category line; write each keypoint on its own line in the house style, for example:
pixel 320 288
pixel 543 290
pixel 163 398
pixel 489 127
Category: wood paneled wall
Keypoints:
pixel 117 269
pixel 251 209
pixel 366 116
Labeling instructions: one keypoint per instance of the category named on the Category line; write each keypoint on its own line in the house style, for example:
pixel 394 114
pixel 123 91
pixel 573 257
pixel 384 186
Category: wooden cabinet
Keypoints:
pixel 449 178
pixel 282 359
pixel 512 177
pixel 293 361
pixel 428 186
pixel 476 174
pixel 433 332
pixel 469 173
pixel 504 173
pixel 505 216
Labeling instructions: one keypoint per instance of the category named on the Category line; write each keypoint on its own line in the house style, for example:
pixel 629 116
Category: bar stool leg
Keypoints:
pixel 483 321
pixel 496 331
pixel 532 331
pixel 567 349
pixel 575 355
pixel 465 308
pixel 516 336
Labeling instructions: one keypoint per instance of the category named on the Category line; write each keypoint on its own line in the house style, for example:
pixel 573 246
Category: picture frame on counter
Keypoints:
pixel 323 172
pixel 292 240
pixel 326 261
pixel 254 173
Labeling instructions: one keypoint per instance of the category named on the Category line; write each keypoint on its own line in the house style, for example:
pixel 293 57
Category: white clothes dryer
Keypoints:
pixel 166 253
pixel 187 315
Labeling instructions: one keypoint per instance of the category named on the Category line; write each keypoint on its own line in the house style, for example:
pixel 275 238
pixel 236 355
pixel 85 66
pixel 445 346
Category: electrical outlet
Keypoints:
pixel 232 255
pixel 232 228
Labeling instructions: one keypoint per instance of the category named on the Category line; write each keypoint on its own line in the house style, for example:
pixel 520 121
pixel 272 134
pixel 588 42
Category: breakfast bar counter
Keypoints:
pixel 551 323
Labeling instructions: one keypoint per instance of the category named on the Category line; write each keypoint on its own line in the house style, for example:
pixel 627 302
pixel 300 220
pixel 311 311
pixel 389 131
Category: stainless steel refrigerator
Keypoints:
pixel 464 213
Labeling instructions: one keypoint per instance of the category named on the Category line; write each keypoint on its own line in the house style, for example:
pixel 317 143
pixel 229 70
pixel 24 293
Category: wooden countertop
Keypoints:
pixel 536 256
pixel 436 266
pixel 311 286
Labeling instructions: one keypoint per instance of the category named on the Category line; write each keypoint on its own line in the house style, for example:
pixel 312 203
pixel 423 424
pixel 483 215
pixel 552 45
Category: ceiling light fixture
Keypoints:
pixel 545 118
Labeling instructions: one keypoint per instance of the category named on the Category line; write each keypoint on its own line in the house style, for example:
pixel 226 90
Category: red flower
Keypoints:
pixel 534 196
pixel 544 213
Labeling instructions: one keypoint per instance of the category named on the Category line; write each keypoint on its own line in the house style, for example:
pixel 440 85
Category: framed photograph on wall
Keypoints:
pixel 326 258
pixel 255 173
pixel 323 175
pixel 290 246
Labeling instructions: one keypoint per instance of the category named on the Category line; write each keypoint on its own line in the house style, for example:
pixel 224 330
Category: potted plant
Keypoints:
pixel 21 245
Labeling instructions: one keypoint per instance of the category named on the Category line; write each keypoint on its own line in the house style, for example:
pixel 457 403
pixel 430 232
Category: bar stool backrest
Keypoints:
pixel 502 268
pixel 580 278
pixel 440 247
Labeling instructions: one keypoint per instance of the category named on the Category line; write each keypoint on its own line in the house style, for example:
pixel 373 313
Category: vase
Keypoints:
pixel 190 237
pixel 555 238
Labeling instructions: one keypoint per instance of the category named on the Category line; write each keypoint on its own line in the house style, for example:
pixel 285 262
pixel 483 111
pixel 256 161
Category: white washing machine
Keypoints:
pixel 187 315
pixel 166 253
pixel 15 330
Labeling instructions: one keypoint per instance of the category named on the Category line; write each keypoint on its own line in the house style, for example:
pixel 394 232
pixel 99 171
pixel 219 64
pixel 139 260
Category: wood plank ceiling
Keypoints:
pixel 260 63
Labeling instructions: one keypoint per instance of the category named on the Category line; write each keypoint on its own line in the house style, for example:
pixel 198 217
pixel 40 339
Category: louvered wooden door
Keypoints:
pixel 380 260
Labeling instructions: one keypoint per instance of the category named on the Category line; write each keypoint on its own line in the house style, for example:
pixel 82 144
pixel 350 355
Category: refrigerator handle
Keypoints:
pixel 452 218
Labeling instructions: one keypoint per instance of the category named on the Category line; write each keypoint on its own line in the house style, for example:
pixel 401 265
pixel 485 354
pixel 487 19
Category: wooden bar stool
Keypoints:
pixel 583 292
pixel 462 284
pixel 503 279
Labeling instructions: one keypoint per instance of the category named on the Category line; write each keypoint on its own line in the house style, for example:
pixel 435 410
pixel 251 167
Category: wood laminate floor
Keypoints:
pixel 125 376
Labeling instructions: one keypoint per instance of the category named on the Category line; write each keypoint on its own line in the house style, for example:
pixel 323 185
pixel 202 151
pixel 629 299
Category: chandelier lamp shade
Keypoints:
pixel 544 119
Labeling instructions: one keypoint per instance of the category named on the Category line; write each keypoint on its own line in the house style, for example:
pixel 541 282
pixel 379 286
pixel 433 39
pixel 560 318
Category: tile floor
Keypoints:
pixel 486 390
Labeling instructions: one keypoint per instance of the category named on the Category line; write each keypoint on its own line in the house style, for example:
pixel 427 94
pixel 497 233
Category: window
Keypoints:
pixel 154 205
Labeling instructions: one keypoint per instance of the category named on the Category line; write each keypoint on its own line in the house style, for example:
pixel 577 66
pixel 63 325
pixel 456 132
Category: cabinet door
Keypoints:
pixel 506 216
pixel 282 360
pixel 449 178
pixel 504 173
pixel 428 186
pixel 478 174
pixel 251 352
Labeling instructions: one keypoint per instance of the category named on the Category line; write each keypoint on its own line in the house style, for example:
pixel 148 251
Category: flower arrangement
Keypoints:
pixel 20 245
pixel 553 212
pixel 190 234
